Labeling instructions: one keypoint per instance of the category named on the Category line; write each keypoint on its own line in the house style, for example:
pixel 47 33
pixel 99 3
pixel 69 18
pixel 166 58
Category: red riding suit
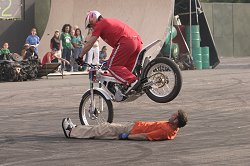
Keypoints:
pixel 126 44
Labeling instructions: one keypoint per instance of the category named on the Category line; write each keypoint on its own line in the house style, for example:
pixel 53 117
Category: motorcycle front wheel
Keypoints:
pixel 103 109
pixel 165 80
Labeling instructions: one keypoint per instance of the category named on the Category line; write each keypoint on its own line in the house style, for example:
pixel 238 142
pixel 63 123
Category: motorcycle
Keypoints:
pixel 159 78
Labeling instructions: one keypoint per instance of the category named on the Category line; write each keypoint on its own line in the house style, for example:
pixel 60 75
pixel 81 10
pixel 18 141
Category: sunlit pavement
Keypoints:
pixel 217 101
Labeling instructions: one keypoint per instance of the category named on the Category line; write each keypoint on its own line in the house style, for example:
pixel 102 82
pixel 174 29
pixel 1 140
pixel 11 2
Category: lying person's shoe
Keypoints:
pixel 133 86
pixel 67 126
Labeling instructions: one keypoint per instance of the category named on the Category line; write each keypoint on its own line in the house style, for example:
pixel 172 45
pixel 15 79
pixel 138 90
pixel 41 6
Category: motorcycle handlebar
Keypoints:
pixel 93 66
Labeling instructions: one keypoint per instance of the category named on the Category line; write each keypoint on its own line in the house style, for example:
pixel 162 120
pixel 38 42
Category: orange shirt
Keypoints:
pixel 161 130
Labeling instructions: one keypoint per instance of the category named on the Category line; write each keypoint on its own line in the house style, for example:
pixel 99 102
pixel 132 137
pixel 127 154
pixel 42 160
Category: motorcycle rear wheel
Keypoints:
pixel 103 109
pixel 166 80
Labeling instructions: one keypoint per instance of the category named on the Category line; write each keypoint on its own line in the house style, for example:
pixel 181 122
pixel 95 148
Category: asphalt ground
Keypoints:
pixel 216 100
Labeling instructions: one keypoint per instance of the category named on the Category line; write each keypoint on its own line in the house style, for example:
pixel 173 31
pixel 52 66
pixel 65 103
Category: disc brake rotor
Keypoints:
pixel 159 80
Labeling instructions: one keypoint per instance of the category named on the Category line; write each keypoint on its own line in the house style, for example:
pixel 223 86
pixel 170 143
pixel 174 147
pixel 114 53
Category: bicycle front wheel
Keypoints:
pixel 101 112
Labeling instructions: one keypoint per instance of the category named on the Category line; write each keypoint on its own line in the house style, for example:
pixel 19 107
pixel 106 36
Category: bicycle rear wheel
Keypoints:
pixel 103 109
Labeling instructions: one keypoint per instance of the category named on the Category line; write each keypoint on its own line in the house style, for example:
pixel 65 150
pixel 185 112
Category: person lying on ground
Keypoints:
pixel 139 130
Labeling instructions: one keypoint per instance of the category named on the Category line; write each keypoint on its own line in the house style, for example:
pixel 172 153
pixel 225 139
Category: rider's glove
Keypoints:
pixel 79 61
pixel 104 65
pixel 123 136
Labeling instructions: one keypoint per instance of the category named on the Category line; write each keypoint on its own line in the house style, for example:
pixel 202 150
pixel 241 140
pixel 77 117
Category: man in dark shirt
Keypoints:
pixel 31 54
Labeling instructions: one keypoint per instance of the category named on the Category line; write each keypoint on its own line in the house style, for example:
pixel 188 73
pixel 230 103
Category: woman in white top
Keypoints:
pixel 93 54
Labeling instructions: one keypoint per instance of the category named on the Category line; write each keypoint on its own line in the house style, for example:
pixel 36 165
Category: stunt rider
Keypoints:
pixel 126 44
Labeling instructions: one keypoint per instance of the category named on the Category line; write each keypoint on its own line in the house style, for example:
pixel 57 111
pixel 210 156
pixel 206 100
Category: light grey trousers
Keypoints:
pixel 102 131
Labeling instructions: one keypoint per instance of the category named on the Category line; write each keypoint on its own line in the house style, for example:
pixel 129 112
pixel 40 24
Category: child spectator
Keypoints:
pixel 4 52
pixel 103 54
pixel 33 39
pixel 77 42
pixel 66 44
pixel 72 33
pixel 55 44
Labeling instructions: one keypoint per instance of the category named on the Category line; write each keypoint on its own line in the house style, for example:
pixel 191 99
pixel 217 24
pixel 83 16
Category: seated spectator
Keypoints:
pixel 4 52
pixel 50 56
pixel 31 54
pixel 103 54
pixel 24 50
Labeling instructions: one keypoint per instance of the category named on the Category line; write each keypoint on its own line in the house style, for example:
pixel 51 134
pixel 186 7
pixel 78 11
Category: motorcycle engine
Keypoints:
pixel 119 96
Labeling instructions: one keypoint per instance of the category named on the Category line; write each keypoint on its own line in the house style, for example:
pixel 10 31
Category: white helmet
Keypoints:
pixel 91 14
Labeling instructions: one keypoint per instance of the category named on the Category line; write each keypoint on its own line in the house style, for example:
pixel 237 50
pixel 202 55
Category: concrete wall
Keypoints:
pixel 16 32
pixel 141 16
pixel 229 25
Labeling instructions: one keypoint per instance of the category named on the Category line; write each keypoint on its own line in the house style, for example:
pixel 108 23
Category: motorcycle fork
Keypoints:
pixel 92 103
pixel 93 110
pixel 92 77
pixel 100 100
